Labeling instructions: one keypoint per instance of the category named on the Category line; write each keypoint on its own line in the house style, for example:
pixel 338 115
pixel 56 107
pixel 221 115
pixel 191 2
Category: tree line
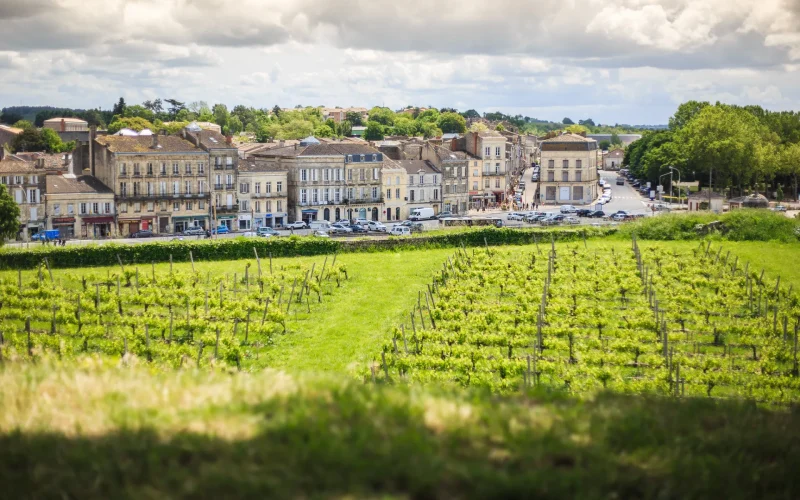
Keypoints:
pixel 739 149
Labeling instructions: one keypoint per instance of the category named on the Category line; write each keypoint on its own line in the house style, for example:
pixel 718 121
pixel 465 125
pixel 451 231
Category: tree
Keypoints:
pixel 24 125
pixel 374 131
pixel 567 121
pixel 9 216
pixel 404 125
pixel 343 129
pixel 296 129
pixel 119 107
pixel 29 140
pixel 323 131
pixel 577 129
pixel 384 116
pixel 10 117
pixel 429 116
pixel 137 111
pixel 685 113
pixel 276 110
pixel 53 142
pixel 235 125
pixel 615 140
pixel 500 127
pixel 135 123
pixel 429 130
pixel 604 145
pixel 478 127
pixel 587 122
pixel 354 118
pixel 174 106
pixel 451 123
pixel 155 106
pixel 471 114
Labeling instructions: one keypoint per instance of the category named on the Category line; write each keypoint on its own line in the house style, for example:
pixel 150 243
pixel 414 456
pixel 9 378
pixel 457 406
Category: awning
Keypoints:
pixel 268 216
pixel 97 220
pixel 189 217
pixel 226 217
pixel 128 220
pixel 64 220
pixel 310 211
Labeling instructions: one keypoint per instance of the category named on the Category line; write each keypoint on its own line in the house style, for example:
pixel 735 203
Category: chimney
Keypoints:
pixel 229 140
pixel 63 125
pixel 92 136
pixel 183 132
pixel 155 141
pixel 39 162
pixel 2 152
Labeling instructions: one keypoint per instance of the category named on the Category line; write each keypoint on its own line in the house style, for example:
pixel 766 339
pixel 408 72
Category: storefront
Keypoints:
pixel 310 215
pixel 182 223
pixel 245 222
pixel 129 225
pixel 96 227
pixel 65 226
pixel 228 221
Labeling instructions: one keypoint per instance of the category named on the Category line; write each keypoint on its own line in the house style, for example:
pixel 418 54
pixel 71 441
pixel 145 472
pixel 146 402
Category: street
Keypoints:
pixel 623 197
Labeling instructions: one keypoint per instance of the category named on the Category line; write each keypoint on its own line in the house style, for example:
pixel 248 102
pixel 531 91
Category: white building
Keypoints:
pixel 569 170
pixel 424 188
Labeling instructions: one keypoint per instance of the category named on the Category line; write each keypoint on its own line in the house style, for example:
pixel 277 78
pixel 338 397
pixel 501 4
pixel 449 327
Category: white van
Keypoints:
pixel 400 231
pixel 321 225
pixel 421 214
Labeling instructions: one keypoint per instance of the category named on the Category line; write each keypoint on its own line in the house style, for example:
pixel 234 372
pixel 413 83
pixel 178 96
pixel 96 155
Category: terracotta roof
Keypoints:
pixel 167 143
pixel 51 161
pixel 250 165
pixel 489 133
pixel 414 166
pixel 65 184
pixel 66 120
pixel 569 138
pixel 211 139
pixel 18 167
pixel 445 154
pixel 13 130
pixel 617 153
pixel 325 149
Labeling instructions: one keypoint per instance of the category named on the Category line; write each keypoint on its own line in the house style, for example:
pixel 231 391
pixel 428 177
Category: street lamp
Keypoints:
pixel 679 182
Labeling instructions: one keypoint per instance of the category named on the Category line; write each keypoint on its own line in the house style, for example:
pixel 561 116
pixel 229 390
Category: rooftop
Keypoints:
pixel 323 149
pixel 13 130
pixel 67 184
pixel 569 138
pixel 66 120
pixel 250 165
pixel 415 166
pixel 210 139
pixel 166 144
pixel 11 166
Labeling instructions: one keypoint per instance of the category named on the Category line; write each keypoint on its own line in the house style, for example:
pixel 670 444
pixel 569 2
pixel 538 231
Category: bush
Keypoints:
pixel 740 225
pixel 292 246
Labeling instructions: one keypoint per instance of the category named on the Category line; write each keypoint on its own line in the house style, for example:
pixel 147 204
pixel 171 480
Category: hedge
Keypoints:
pixel 292 246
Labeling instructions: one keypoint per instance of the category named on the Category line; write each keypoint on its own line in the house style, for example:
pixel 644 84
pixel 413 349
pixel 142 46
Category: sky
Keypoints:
pixel 626 61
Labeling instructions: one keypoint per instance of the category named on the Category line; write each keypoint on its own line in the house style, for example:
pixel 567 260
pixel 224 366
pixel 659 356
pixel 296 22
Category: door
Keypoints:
pixel 362 213
pixel 327 214
pixel 563 194
pixel 375 214
pixel 397 213
pixel 229 200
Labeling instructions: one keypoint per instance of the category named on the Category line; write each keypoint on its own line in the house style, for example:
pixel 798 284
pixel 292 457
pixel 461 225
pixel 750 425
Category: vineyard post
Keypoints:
pixel 191 258
pixel 585 247
pixel 413 323
pixel 170 263
pixel 735 265
pixel 170 324
pixel 428 305
pixel 322 272
pixel 266 307
pixel 247 327
pixel 530 381
pixel 235 284
pixel 280 298
pixel 289 302
pixel 430 292
pixel 258 261
pixel 708 248
pixel 188 313
pixel 785 331
pixel 124 345
pixel 405 344
pixel 235 327
pixel 302 288
pixel 19 279
pixel 385 366
pixel 536 242
pixel 220 294
pixel 728 254
pixel 313 266
pixel 40 274
pixel 53 321
pixel 49 271
pixel 28 332
pixel 775 319
pixel 394 342
pixel 199 353
pixel 97 296
pixel 270 263
pixel 122 268
pixel 777 286
pixel 216 345
pixel 761 278
pixel 486 244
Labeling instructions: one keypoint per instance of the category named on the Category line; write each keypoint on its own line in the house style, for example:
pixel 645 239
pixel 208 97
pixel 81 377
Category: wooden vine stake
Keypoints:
pixel 170 263
pixel 191 258
pixel 49 271
pixel 258 261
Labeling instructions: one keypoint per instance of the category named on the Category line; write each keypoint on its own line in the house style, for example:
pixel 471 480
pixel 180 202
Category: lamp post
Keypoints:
pixel 679 182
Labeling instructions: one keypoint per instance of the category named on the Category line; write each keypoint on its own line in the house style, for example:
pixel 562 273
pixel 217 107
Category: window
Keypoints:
pixel 315 195
pixel 350 175
pixel 303 196
pixel 361 174
pixel 565 163
pixel 362 158
pixel 229 161
pixel 388 194
pixel 374 171
pixel 123 188
pixel 95 208
pixel 565 176
pixel 488 151
pixel 176 206
pixel 201 205
pixel 258 206
pixel 350 194
pixel 435 194
pixel 578 176
pixel 189 205
pixel 201 168
pixel 497 151
pixel 326 174
pixel 83 208
pixel 421 194
pixel 149 169
pixel 375 158
pixel 303 175
pixel 71 208
pixel 269 206
pixel 279 187
pixel 578 163
pixel 551 176
pixel 336 195
pixel 577 193
pixel 268 187
pixel 447 189
pixel 411 195
pixel 397 180
pixel 245 205
pixel 497 183
pixel 137 207
pixel 497 169
pixel 163 188
pixel 411 179
pixel 397 193
pixel 475 173
pixel 279 205
pixel 176 188
pixel 257 188
pixel 229 181
pixel 56 209
pixel 374 193
pixel 551 164
pixel 150 206
pixel 326 195
pixel 475 185
pixel 338 174
pixel 149 186
pixel 163 169
pixel 32 195
pixel 123 169
pixel 486 183
pixel 187 187
pixel 175 170
pixel 188 168
pixel 201 187
pixel 314 172
pixel 244 187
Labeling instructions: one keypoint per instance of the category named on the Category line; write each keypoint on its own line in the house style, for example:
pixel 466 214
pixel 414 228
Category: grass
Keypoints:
pixel 100 431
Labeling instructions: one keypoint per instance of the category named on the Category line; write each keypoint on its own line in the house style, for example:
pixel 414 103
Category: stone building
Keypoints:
pixel 454 166
pixel 331 181
pixel 569 170
pixel 25 182
pixel 424 186
pixel 160 182
pixel 67 124
pixel 8 134
pixel 223 160
pixel 613 160
pixel 490 147
pixel 263 195
pixel 80 206
pixel 394 180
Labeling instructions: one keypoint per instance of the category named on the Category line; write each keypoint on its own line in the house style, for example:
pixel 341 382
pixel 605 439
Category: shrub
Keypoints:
pixel 741 225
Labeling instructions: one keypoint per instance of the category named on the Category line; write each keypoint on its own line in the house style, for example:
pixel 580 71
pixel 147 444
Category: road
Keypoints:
pixel 623 197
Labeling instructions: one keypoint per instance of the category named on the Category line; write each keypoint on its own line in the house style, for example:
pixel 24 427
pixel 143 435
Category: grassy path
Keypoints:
pixel 349 326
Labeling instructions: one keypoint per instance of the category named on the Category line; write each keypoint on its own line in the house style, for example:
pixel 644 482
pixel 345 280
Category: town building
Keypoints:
pixel 338 115
pixel 223 159
pixel 8 134
pixel 395 181
pixel 66 124
pixel 569 170
pixel 613 159
pixel 490 147
pixel 25 182
pixel 454 168
pixel 263 195
pixel 626 139
pixel 79 206
pixel 329 181
pixel 161 183
pixel 424 186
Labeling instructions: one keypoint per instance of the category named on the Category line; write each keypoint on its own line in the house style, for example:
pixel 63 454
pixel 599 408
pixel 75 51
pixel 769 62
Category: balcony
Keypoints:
pixel 219 167
pixel 227 209
pixel 229 186
pixel 217 187
pixel 230 167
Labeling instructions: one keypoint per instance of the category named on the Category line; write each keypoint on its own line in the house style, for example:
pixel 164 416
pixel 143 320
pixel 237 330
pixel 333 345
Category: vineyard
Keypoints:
pixel 579 319
pixel 171 319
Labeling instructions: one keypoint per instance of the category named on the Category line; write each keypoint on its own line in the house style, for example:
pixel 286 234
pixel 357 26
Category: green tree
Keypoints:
pixel 53 142
pixel 577 129
pixel 9 216
pixel 567 121
pixel 29 140
pixel 137 111
pixel 234 125
pixel 24 125
pixel 471 114
pixel 685 113
pixel 452 123
pixel 789 165
pixel 587 122
pixel 429 130
pixel 354 118
pixel 478 127
pixel 500 127
pixel 323 131
pixel 174 106
pixel 384 116
pixel 119 107
pixel 221 115
pixel 137 124
pixel 374 131
pixel 404 125
pixel 296 129
pixel 604 144
pixel 429 116
pixel 615 140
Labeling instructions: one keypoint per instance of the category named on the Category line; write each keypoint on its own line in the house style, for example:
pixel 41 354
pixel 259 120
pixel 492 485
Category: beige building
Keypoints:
pixel 454 168
pixel 394 180
pixel 263 195
pixel 330 181
pixel 25 182
pixel 613 159
pixel 67 124
pixel 569 170
pixel 490 147
pixel 80 206
pixel 424 186
pixel 160 182
pixel 8 134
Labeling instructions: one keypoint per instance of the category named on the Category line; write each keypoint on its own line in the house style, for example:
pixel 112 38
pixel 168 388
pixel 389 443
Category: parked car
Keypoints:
pixel 445 214
pixel 267 232
pixel 534 217
pixel 320 234
pixel 584 212
pixel 399 230
pixel 571 220
pixel 415 227
pixel 421 214
pixel 344 222
pixel 338 228
pixel 362 222
pixel 222 229
pixel 568 209
pixel 376 226
pixel 602 182
pixel 145 233
pixel 620 181
pixel 596 214
pixel 194 231
pixel 553 220
pixel 779 208
pixel 620 212
pixel 515 216
pixel 249 234
pixel 358 228
pixel 636 184
pixel 535 177
pixel 620 217
pixel 298 224
pixel 660 207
